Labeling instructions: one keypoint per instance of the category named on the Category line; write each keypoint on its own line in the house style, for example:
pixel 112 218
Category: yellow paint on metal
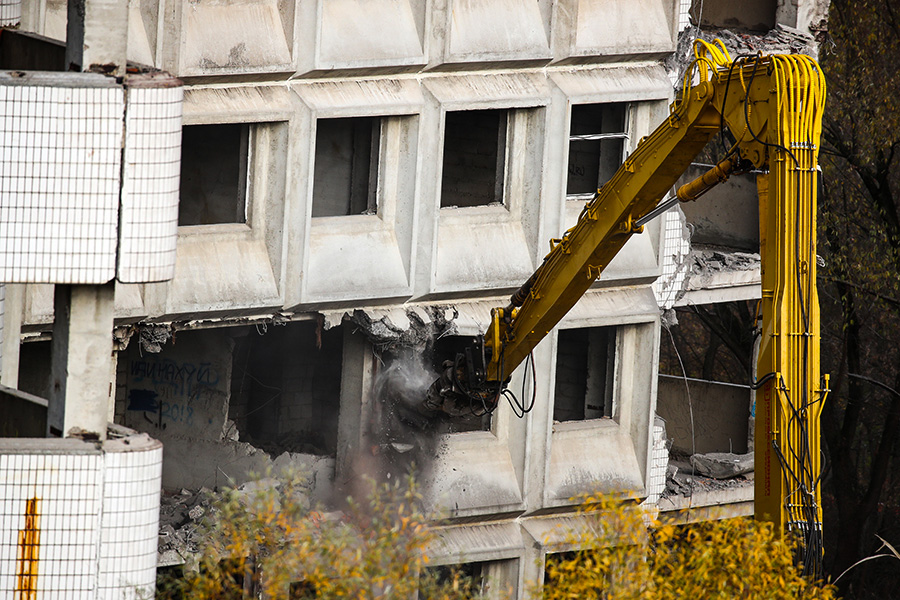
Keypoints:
pixel 773 107
pixel 28 552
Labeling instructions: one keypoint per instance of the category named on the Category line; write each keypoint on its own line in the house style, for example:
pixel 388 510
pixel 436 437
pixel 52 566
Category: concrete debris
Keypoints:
pixel 122 337
pixel 682 480
pixel 722 465
pixel 154 336
pixel 668 318
pixel 179 519
pixel 392 329
pixel 780 40
pixel 707 261
pixel 196 512
pixel 230 431
pixel 183 515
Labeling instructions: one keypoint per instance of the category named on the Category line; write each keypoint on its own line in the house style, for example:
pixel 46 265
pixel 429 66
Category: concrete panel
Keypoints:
pixel 714 418
pixel 600 308
pixel 728 215
pixel 591 457
pixel 471 543
pixel 496 247
pixel 365 256
pixel 609 454
pixel 358 260
pixel 364 97
pixel 370 33
pixel 233 37
pixel 39 303
pixel 221 269
pixel 129 302
pixel 245 104
pixel 473 474
pixel 480 250
pixel 143 26
pixel 629 83
pixel 492 30
pixel 358 256
pixel 236 268
pixel 488 90
pixel 597 28
pixel 597 308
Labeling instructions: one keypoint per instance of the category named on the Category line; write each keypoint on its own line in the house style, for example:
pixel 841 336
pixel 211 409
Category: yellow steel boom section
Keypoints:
pixel 772 105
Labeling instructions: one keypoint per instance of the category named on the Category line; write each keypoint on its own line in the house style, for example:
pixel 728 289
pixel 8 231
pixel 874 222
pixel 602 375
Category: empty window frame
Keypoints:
pixel 597 135
pixel 214 174
pixel 286 388
pixel 474 158
pixel 490 580
pixel 585 367
pixel 345 181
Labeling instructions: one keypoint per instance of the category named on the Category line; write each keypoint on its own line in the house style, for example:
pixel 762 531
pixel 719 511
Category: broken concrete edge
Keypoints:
pixel 722 465
pixel 695 491
pixel 407 325
pixel 119 439
pixel 781 39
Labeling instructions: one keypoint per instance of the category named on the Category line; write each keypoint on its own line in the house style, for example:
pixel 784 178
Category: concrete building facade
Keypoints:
pixel 361 181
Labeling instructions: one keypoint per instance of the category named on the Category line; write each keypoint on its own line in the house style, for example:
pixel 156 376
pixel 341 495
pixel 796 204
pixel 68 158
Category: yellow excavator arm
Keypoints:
pixel 772 106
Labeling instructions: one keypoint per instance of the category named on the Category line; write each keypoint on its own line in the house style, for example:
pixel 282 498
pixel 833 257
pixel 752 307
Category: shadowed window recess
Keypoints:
pixel 597 135
pixel 214 174
pixel 474 158
pixel 585 363
pixel 345 181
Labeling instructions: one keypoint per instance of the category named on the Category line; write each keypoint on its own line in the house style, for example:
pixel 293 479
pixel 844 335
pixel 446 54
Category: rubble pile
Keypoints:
pixel 180 514
pixel 683 480
pixel 710 260
pixel 780 40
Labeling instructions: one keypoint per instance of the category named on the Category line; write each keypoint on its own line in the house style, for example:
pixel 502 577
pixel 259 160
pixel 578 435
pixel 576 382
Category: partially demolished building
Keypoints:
pixel 361 182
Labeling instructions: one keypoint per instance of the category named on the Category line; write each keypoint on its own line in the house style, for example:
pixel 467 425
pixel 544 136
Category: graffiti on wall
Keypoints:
pixel 168 391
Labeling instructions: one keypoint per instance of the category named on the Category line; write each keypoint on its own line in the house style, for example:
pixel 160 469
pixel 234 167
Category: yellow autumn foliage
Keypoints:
pixel 621 558
pixel 269 544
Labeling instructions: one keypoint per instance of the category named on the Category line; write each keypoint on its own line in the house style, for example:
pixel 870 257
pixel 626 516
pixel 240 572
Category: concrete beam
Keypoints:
pixel 13 299
pixel 81 365
pixel 97 36
pixel 356 379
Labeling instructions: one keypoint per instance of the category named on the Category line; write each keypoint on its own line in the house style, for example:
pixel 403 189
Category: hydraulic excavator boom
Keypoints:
pixel 772 106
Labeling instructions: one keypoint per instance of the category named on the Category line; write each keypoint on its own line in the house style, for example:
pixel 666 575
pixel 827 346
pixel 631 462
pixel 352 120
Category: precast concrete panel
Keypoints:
pixel 369 33
pixel 367 256
pixel 232 38
pixel 495 30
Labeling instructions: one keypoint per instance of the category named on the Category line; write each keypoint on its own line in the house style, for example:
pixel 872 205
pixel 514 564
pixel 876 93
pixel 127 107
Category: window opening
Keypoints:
pixel 597 137
pixel 214 174
pixel 286 386
pixel 474 158
pixel 467 578
pixel 585 363
pixel 345 180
